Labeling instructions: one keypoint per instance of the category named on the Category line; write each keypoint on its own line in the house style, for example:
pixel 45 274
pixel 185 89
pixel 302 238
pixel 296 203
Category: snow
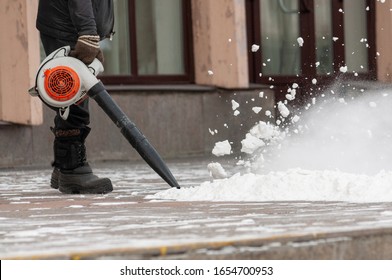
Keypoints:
pixel 293 184
pixel 295 119
pixel 333 151
pixel 291 95
pixel 222 148
pixel 234 105
pixel 216 170
pixel 212 132
pixel 343 69
pixel 255 48
pixel 257 109
pixel 251 143
pixel 300 41
pixel 265 131
pixel 283 109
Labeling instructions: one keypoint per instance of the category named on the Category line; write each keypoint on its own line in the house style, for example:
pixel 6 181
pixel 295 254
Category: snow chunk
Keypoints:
pixel 300 41
pixel 222 148
pixel 283 109
pixel 265 131
pixel 255 48
pixel 291 95
pixel 213 132
pixel 343 69
pixel 216 170
pixel 295 119
pixel 234 104
pixel 257 109
pixel 251 143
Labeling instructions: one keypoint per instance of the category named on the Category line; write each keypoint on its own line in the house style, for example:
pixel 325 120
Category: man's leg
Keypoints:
pixel 72 173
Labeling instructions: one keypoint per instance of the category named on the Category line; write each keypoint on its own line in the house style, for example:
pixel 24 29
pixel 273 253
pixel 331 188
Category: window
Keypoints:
pixel 305 39
pixel 279 33
pixel 151 45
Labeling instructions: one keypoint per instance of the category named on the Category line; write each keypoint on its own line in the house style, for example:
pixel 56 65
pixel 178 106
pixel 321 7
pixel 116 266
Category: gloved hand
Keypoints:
pixel 87 48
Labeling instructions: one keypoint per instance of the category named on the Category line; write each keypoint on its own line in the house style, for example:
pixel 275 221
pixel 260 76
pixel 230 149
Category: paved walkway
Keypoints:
pixel 39 222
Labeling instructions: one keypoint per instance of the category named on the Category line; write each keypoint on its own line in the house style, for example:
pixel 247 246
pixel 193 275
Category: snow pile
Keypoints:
pixel 294 184
pixel 335 150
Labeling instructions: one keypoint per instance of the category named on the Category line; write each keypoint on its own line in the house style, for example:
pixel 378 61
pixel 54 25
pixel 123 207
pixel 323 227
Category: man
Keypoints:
pixel 80 24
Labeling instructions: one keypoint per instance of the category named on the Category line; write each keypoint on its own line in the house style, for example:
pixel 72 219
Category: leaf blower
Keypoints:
pixel 62 81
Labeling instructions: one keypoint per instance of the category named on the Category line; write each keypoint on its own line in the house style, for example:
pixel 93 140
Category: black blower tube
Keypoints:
pixel 131 133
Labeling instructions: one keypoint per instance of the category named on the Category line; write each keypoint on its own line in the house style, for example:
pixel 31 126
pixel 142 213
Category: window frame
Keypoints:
pixel 134 78
pixel 308 51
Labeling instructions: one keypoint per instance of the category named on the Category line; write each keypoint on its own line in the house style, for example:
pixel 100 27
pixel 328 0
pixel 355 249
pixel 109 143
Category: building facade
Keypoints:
pixel 175 66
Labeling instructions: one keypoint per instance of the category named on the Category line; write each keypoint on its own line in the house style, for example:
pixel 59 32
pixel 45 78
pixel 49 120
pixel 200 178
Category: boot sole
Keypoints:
pixel 102 187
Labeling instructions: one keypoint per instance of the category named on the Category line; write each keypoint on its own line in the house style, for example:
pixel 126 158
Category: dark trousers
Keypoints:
pixel 79 116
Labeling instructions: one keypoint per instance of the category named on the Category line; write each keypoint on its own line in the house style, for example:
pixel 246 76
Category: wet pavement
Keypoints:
pixel 38 222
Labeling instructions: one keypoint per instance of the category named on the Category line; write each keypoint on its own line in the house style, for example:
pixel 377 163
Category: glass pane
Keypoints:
pixel 117 52
pixel 355 35
pixel 159 32
pixel 279 32
pixel 324 39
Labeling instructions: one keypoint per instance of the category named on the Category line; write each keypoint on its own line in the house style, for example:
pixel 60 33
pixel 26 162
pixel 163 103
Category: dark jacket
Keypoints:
pixel 68 19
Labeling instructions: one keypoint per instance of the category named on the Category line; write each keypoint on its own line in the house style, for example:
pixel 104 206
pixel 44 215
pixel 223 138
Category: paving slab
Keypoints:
pixel 38 222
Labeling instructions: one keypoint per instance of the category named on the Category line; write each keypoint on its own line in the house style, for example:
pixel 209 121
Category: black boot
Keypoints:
pixel 72 174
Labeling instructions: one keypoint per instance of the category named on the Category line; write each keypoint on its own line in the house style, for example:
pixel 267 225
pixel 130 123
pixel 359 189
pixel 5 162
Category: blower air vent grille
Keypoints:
pixel 62 83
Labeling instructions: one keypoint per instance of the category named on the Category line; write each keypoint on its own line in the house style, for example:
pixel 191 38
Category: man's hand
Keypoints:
pixel 87 48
